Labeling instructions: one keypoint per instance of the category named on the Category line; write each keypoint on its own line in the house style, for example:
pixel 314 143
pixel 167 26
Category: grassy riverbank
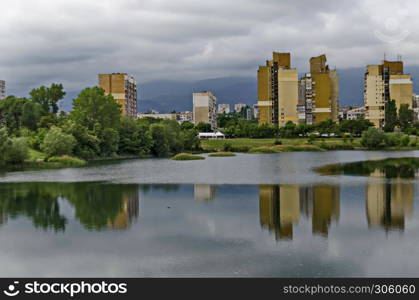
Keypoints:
pixel 38 161
pixel 257 146
pixel 278 145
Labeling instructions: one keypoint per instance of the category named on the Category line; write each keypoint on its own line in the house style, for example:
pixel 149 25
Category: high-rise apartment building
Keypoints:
pixel 223 108
pixel 319 90
pixel 124 90
pixel 278 91
pixel 2 89
pixel 205 108
pixel 383 83
pixel 305 100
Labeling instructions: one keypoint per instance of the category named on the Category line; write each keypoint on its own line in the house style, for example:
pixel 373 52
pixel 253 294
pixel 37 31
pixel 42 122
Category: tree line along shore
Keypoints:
pixel 34 134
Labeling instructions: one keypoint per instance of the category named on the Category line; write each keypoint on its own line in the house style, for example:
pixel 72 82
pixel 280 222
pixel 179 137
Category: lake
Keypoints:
pixel 266 215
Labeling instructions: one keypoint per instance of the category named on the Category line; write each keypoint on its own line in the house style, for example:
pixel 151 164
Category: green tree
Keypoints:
pixel 203 127
pixel 17 152
pixel 56 142
pixel 173 130
pixel 134 137
pixel 31 115
pixel 288 131
pixel 19 112
pixel 190 139
pixel 390 115
pixel 187 125
pixel 373 138
pixel 4 144
pixel 160 146
pixel 109 139
pixel 355 127
pixel 92 107
pixel 406 117
pixel 48 97
pixel 87 144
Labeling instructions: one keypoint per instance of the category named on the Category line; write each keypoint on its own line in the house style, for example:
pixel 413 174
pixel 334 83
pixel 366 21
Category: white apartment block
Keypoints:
pixel 205 108
pixel 184 116
pixel 223 108
pixel 157 116
pixel 238 107
pixel 356 113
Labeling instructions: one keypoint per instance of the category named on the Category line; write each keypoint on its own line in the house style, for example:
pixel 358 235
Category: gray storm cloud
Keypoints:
pixel 70 41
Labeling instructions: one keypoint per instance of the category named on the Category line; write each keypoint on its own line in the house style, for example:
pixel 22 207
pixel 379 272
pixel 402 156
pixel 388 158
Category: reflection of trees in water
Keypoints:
pixel 97 206
pixel 389 168
pixel 280 207
pixel 33 201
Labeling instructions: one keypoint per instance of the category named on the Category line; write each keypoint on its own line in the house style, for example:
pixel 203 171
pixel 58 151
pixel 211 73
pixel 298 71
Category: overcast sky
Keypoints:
pixel 70 41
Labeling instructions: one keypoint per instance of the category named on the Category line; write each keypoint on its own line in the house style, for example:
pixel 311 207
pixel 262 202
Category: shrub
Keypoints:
pixel 222 154
pixel 227 147
pixel 57 143
pixel 393 139
pixel 311 139
pixel 4 144
pixel 67 160
pixel 17 151
pixel 277 142
pixel 405 140
pixel 373 138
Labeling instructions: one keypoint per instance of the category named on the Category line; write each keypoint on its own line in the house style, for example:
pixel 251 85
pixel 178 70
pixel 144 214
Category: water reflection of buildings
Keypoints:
pixel 3 219
pixel 129 212
pixel 280 207
pixel 389 203
pixel 204 192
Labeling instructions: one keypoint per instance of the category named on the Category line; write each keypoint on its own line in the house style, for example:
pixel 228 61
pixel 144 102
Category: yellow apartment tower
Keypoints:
pixel 123 88
pixel 319 90
pixel 383 83
pixel 278 91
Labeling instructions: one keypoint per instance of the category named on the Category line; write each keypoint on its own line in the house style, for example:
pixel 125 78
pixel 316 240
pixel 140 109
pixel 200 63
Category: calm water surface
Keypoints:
pixel 249 215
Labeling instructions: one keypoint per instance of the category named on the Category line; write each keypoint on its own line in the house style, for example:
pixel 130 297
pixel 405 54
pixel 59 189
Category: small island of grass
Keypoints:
pixel 222 154
pixel 187 156
pixel 67 160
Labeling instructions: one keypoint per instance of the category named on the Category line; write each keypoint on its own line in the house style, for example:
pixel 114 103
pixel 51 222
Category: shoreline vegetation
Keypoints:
pixel 187 156
pixel 222 154
pixel 35 134
pixel 405 167
pixel 214 148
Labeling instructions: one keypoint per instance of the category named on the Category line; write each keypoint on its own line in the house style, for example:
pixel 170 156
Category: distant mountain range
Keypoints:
pixel 167 95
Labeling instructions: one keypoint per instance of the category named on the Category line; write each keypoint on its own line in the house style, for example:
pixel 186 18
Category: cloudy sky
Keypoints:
pixel 70 41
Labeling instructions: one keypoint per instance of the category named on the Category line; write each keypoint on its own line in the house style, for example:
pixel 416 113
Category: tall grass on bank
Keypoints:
pixel 187 156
